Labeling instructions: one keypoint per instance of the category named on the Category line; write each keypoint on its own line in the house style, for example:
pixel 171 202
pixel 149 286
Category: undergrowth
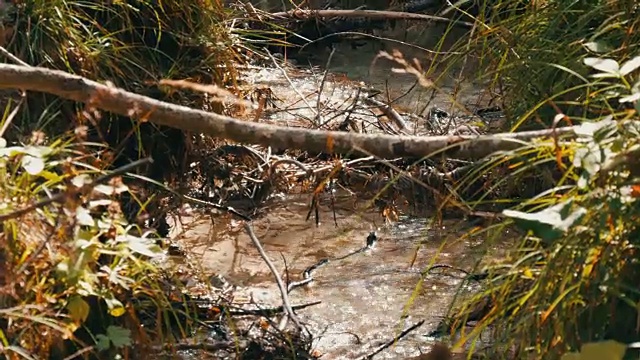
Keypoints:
pixel 75 270
pixel 70 267
pixel 527 54
pixel 133 45
pixel 572 279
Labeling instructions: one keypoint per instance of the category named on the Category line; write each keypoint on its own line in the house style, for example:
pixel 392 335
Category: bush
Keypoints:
pixel 66 251
pixel 573 277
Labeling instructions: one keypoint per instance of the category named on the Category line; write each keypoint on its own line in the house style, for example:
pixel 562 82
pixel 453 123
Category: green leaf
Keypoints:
pixel 103 342
pixel 608 66
pixel 81 180
pixel 38 151
pixel 548 224
pixel 110 190
pixel 119 336
pixel 630 98
pixel 51 176
pixel 83 216
pixel 143 246
pixel 590 157
pixel 630 66
pixel 598 47
pixel 78 309
pixel 589 128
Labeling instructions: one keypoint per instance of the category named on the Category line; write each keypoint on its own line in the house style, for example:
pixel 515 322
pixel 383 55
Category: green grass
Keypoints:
pixel 570 280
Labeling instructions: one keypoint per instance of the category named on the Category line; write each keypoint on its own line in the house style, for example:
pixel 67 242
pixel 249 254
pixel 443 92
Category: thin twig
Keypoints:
pixel 393 341
pixel 376 37
pixel 286 76
pixel 283 290
pixel 324 79
pixel 12 57
pixel 271 311
pixel 12 115
pixel 369 14
pixel 389 111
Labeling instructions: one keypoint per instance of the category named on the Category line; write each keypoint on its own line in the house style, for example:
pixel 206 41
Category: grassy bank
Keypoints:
pixel 571 280
pixel 76 277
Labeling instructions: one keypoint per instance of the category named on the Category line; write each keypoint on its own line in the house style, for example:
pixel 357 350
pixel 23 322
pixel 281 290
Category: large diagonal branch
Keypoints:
pixel 136 106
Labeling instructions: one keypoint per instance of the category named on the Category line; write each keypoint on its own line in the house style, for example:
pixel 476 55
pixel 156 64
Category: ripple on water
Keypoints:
pixel 365 296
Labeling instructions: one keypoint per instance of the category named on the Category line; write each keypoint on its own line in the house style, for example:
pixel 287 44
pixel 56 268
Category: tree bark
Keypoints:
pixel 121 102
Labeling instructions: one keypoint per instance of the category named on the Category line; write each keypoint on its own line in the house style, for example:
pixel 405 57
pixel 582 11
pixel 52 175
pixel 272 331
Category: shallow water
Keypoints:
pixel 364 297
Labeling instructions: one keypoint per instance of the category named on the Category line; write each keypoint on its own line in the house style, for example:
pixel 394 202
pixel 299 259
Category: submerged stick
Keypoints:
pixel 393 341
pixel 143 108
pixel 283 290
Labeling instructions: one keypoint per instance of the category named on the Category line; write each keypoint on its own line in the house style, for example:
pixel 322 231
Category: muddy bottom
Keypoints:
pixel 365 298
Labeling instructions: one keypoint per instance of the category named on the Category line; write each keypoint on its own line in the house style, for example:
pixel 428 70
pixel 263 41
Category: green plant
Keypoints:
pixel 523 52
pixel 66 252
pixel 572 278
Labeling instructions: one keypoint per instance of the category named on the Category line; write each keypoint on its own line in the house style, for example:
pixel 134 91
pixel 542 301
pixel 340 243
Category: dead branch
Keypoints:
pixel 369 14
pixel 283 291
pixel 140 107
pixel 389 111
pixel 394 340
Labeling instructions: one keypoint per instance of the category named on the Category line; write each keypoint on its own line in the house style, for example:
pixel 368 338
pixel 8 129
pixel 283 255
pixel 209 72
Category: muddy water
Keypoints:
pixel 363 296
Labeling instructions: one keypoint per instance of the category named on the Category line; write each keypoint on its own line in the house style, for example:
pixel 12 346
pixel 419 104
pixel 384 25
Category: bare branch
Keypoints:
pixel 369 14
pixel 136 106
pixel 283 290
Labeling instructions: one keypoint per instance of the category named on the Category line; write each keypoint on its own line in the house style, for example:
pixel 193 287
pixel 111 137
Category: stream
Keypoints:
pixel 366 299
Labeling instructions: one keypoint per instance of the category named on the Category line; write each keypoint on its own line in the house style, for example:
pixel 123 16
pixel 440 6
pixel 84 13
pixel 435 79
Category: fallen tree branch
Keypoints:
pixel 283 290
pixel 369 14
pixel 140 107
pixel 271 311
pixel 389 111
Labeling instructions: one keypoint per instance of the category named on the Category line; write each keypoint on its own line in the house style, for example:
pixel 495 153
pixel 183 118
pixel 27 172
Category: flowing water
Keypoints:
pixel 366 299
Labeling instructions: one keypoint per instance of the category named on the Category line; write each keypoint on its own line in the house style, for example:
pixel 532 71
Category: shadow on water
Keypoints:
pixel 364 297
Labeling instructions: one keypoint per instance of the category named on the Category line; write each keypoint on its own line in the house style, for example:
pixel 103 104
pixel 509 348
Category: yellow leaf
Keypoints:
pixel 78 309
pixel 117 311
pixel 603 350
pixel 528 274
pixel 571 356
pixel 329 144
